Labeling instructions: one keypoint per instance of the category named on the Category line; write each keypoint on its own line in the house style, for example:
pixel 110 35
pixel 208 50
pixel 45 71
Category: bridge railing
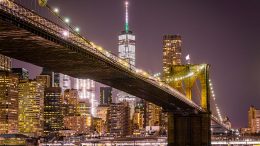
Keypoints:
pixel 75 39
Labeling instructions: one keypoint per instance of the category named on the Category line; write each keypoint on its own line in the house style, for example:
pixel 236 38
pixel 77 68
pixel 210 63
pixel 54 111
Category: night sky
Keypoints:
pixel 223 33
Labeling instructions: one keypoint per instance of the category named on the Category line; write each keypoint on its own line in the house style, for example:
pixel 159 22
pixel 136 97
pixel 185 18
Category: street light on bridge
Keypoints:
pixel 56 10
pixel 67 20
pixel 77 29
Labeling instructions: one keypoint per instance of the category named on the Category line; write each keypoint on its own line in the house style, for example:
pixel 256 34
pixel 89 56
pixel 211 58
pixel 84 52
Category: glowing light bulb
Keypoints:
pixel 67 20
pixel 65 33
pixel 56 10
pixel 77 29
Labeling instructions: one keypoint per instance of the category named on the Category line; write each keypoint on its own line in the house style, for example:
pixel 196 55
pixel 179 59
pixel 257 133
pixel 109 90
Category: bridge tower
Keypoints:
pixel 189 128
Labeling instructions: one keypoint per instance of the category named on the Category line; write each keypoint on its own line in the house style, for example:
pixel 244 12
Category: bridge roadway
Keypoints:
pixel 26 36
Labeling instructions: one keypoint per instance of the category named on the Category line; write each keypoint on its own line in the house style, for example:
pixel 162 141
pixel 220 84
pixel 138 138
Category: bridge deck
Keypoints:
pixel 22 39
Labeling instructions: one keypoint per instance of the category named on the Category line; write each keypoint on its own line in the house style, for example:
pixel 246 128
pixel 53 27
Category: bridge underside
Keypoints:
pixel 23 41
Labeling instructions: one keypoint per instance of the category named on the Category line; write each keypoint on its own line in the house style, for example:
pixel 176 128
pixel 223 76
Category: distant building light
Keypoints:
pixel 65 33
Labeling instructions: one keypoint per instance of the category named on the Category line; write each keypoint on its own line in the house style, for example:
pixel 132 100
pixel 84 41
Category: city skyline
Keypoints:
pixel 206 48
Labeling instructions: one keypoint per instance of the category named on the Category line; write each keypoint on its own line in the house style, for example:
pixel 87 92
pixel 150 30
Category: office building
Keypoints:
pixel 126 49
pixel 139 118
pixel 54 77
pixel 171 52
pixel 84 109
pixel 5 63
pixel 9 103
pixel 22 73
pixel 98 126
pixel 126 41
pixel 102 112
pixel 152 114
pixel 78 124
pixel 31 107
pixel 44 80
pixel 65 82
pixel 58 79
pixel 86 91
pixel 53 118
pixel 71 96
pixel 254 119
pixel 105 95
pixel 77 115
pixel 70 102
pixel 118 120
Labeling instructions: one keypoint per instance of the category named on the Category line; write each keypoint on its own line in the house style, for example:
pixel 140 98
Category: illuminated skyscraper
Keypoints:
pixel 58 79
pixel 70 102
pixel 152 114
pixel 254 119
pixel 71 97
pixel 65 82
pixel 8 103
pixel 126 44
pixel 127 41
pixel 85 118
pixel 171 52
pixel 139 118
pixel 105 95
pixel 126 49
pixel 86 90
pixel 44 80
pixel 22 73
pixel 102 112
pixel 99 125
pixel 171 56
pixel 79 124
pixel 53 118
pixel 5 63
pixel 76 114
pixel 31 106
pixel 118 122
pixel 84 108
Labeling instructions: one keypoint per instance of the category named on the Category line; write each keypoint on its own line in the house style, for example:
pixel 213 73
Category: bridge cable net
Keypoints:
pixel 217 116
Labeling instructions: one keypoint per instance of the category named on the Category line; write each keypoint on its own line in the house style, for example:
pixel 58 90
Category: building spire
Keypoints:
pixel 126 17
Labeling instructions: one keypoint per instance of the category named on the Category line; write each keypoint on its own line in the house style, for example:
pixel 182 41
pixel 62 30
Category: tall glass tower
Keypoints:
pixel 126 41
pixel 126 49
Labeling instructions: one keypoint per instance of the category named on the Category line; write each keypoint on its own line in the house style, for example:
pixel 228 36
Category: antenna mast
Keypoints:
pixel 126 17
